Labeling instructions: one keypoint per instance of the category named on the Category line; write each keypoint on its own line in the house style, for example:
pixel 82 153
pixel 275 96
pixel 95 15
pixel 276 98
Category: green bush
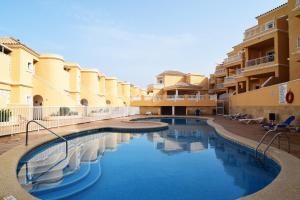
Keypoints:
pixel 5 115
pixel 64 111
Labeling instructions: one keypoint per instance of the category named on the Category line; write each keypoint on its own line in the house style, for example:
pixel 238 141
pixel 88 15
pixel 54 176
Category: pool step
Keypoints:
pixel 55 168
pixel 70 186
pixel 67 179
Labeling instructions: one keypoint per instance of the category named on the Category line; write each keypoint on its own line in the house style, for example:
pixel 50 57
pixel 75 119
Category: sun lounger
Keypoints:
pixel 282 125
pixel 258 120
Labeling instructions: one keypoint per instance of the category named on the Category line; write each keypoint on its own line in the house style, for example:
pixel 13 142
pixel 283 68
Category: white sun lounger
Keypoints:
pixel 257 120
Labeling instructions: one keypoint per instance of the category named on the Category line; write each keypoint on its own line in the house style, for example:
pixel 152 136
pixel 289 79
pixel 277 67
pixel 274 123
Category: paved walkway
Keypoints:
pixel 254 132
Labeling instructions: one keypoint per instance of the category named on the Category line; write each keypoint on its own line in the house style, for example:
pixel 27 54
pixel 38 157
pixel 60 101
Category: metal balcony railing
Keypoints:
pixel 219 86
pixel 259 29
pixel 229 79
pixel 220 71
pixel 170 98
pixel 259 61
pixel 234 58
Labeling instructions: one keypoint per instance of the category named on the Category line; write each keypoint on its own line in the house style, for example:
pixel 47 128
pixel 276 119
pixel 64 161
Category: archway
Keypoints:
pixel 37 109
pixel 84 102
pixel 37 100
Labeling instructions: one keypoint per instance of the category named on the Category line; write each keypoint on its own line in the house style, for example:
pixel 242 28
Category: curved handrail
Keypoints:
pixel 262 140
pixel 271 142
pixel 33 121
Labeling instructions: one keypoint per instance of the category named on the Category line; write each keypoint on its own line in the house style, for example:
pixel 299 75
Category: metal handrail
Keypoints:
pixel 33 121
pixel 262 140
pixel 278 135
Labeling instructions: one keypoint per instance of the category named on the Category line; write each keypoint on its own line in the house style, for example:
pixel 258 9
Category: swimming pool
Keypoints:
pixel 187 161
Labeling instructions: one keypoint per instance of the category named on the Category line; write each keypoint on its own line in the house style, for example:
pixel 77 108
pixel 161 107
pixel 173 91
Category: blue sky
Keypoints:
pixel 133 40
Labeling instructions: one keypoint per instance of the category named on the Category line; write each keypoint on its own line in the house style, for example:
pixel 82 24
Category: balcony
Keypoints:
pixel 156 86
pixel 174 100
pixel 259 30
pixel 232 59
pixel 220 86
pixel 229 79
pixel 260 61
pixel 220 72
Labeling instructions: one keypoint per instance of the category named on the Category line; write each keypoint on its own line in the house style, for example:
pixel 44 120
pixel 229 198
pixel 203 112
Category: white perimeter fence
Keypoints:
pixel 14 119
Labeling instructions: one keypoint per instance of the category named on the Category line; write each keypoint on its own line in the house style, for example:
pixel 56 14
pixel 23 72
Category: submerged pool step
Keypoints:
pixel 70 186
pixel 68 178
pixel 56 169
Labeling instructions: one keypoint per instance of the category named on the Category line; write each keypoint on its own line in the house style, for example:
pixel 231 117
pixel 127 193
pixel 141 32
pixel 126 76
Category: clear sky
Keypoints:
pixel 133 40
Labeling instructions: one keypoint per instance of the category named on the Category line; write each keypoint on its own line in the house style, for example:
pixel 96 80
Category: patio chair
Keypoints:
pixel 282 125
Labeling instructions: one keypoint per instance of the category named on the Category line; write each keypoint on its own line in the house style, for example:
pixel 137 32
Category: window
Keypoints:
pixel 4 97
pixel 30 67
pixel 29 100
pixel 269 25
pixel 298 41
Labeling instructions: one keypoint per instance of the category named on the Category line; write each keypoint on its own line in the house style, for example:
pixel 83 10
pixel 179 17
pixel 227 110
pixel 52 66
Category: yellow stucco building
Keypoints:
pixel 258 72
pixel 29 78
pixel 176 93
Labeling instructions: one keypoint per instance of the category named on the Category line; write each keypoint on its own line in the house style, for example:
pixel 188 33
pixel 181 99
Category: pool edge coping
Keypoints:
pixel 285 186
pixel 9 184
pixel 287 183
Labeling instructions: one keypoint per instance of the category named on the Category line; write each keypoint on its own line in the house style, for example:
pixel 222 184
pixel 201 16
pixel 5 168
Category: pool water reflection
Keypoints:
pixel 187 161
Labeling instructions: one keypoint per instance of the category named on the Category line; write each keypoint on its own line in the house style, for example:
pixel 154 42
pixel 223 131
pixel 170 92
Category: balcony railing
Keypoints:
pixel 259 29
pixel 232 59
pixel 220 71
pixel 229 79
pixel 169 98
pixel 219 86
pixel 158 86
pixel 259 61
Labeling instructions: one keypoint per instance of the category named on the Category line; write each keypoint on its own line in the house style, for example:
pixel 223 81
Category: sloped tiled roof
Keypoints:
pixel 278 7
pixel 171 72
pixel 12 42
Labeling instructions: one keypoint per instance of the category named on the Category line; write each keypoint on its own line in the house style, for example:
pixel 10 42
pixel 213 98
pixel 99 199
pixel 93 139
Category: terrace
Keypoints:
pixel 260 30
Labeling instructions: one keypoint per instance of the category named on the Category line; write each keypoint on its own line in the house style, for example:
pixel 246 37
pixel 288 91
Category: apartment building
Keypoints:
pixel 268 54
pixel 18 73
pixel 29 78
pixel 5 75
pixel 177 93
pixel 264 66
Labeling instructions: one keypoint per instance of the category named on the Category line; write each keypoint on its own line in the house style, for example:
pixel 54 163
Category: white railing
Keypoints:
pixel 213 97
pixel 13 119
pixel 234 58
pixel 259 61
pixel 229 79
pixel 219 86
pixel 170 98
pixel 259 29
pixel 157 86
pixel 239 71
pixel 220 71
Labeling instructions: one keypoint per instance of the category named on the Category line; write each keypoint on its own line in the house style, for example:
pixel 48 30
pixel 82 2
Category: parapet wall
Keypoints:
pixel 261 102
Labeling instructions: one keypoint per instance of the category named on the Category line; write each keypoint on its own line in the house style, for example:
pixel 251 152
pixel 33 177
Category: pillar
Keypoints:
pixel 173 110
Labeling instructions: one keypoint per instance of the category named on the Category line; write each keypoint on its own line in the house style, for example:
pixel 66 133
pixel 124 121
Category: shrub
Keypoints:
pixel 5 115
pixel 64 111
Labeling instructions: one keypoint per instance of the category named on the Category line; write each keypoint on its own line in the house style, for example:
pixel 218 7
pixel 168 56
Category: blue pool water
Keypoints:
pixel 187 161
